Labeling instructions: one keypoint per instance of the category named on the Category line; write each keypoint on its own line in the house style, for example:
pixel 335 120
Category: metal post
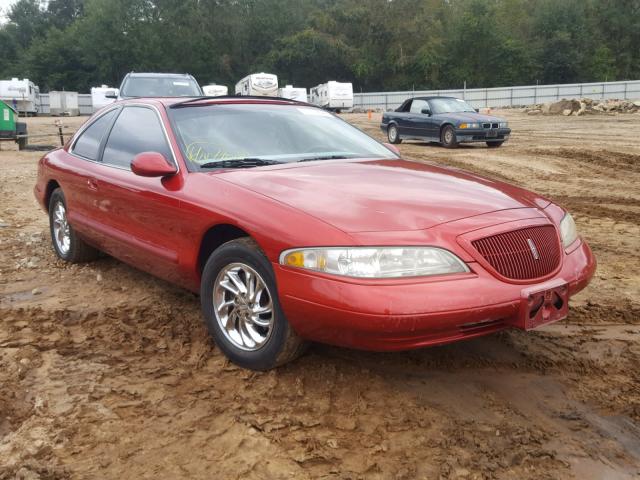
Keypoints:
pixel 61 136
pixel 486 97
pixel 625 90
pixel 603 91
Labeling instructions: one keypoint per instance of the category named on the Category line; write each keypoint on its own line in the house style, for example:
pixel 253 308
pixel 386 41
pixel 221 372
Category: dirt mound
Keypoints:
pixel 583 106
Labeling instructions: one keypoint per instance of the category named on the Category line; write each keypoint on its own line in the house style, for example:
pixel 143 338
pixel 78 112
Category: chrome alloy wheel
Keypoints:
pixel 243 306
pixel 448 135
pixel 61 230
pixel 393 134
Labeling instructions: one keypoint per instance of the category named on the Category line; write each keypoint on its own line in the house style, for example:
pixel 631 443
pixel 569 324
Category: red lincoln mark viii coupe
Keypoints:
pixel 294 225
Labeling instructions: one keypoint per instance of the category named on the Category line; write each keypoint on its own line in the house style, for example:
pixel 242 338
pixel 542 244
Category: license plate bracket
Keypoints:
pixel 543 305
pixel 493 133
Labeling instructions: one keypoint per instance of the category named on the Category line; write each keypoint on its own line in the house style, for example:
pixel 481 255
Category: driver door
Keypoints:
pixel 141 216
pixel 419 123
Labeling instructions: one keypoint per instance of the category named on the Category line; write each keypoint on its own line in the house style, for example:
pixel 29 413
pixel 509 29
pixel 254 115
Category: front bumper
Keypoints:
pixel 466 135
pixel 401 314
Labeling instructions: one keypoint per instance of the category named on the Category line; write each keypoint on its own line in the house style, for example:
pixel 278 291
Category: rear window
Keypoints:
pixel 140 86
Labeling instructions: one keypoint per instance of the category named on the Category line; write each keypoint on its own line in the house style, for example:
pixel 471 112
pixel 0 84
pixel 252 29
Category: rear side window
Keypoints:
pixel 136 130
pixel 88 143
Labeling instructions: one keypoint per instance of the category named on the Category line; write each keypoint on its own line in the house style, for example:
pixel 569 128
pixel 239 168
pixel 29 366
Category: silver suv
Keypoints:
pixel 137 84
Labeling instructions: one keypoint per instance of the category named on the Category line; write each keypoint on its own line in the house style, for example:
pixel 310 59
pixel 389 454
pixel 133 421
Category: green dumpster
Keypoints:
pixel 10 128
pixel 7 120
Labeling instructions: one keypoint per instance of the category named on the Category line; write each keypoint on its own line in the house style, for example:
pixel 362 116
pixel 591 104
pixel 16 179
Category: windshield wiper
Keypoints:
pixel 247 162
pixel 325 157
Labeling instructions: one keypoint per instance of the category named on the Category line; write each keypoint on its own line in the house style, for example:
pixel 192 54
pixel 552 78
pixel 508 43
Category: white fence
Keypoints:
pixel 478 97
pixel 506 96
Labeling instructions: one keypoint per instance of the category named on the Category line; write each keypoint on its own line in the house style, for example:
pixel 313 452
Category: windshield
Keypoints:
pixel 216 135
pixel 139 86
pixel 449 105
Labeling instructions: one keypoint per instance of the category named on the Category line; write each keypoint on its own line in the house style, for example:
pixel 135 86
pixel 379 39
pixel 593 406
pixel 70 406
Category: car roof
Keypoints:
pixel 157 74
pixel 433 97
pixel 223 99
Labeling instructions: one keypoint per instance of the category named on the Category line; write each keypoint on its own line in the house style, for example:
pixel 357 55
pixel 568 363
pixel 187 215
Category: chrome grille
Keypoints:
pixel 512 255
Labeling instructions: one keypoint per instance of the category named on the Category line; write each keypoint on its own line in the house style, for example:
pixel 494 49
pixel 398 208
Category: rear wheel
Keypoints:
pixel 393 135
pixel 66 243
pixel 241 308
pixel 448 137
pixel 494 144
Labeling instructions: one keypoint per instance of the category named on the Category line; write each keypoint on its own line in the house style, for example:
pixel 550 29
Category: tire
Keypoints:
pixel 448 137
pixel 74 249
pixel 22 143
pixel 263 341
pixel 494 144
pixel 393 135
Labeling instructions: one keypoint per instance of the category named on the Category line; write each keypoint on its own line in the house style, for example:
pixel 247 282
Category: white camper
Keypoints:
pixel 24 92
pixel 299 94
pixel 333 96
pixel 259 84
pixel 99 96
pixel 214 90
pixel 63 103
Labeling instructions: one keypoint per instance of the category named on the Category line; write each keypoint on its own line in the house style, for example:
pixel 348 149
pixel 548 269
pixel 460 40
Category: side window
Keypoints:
pixel 88 143
pixel 418 105
pixel 136 130
pixel 405 106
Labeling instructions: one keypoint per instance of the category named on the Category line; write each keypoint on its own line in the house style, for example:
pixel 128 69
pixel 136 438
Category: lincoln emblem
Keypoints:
pixel 534 250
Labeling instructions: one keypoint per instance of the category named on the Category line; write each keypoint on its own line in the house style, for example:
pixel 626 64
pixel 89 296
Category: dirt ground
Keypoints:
pixel 106 372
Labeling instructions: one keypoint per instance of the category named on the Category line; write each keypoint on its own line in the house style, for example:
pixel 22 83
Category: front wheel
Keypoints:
pixel 494 144
pixel 448 137
pixel 241 308
pixel 393 135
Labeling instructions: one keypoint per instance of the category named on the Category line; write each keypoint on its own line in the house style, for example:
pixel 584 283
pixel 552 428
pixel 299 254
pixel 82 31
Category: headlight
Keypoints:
pixel 568 230
pixel 503 124
pixel 469 125
pixel 377 262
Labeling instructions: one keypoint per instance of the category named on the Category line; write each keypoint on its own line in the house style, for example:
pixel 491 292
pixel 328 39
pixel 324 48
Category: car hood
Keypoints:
pixel 469 117
pixel 381 195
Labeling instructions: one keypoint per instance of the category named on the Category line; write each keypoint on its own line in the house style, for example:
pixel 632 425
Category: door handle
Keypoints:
pixel 92 183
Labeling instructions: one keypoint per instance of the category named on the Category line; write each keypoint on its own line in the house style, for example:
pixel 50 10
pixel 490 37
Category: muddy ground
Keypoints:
pixel 106 372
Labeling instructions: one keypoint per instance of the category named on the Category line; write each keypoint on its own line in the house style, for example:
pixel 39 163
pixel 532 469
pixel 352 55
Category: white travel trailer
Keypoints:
pixel 299 94
pixel 24 92
pixel 103 96
pixel 259 84
pixel 63 103
pixel 333 96
pixel 214 90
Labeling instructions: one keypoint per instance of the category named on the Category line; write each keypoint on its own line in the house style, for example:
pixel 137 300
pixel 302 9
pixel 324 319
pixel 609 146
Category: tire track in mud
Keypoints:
pixel 608 159
pixel 621 209
pixel 127 363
